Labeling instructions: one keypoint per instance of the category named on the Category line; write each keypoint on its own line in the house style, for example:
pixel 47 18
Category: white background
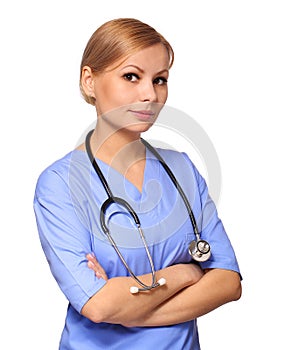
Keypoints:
pixel 232 73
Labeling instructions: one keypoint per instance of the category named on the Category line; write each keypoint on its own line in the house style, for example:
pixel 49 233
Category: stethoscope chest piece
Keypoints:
pixel 200 250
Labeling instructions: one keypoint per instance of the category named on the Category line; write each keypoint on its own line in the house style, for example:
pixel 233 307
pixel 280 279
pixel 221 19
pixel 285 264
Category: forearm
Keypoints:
pixel 115 304
pixel 215 288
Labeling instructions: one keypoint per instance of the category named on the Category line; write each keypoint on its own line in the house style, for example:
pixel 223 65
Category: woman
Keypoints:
pixel 124 72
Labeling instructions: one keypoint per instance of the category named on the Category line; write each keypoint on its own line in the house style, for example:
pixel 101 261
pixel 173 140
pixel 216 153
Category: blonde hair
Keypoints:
pixel 116 39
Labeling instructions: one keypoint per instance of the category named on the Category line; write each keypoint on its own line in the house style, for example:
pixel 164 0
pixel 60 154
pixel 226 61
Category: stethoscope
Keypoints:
pixel 199 249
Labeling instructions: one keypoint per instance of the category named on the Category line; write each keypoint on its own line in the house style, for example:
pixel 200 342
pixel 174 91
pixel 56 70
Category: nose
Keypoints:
pixel 147 92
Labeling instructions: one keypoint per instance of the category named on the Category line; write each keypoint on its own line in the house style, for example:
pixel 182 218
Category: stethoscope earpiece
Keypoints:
pixel 136 290
pixel 200 250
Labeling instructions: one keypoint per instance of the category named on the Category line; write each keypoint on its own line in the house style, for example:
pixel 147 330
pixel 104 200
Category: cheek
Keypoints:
pixel 113 96
pixel 162 95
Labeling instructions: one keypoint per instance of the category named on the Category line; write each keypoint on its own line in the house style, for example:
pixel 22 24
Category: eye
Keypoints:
pixel 160 81
pixel 132 77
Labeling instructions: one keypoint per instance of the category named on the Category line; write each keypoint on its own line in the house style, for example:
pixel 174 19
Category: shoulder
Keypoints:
pixel 56 176
pixel 178 161
pixel 171 155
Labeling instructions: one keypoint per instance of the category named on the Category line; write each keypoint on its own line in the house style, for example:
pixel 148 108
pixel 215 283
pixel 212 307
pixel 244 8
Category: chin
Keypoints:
pixel 139 127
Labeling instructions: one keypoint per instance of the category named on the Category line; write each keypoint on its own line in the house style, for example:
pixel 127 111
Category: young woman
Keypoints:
pixel 153 298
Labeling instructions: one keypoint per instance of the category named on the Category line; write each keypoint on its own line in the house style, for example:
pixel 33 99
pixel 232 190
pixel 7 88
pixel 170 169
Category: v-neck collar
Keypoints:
pixel 120 185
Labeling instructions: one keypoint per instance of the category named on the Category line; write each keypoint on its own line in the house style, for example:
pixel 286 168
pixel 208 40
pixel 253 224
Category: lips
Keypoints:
pixel 144 115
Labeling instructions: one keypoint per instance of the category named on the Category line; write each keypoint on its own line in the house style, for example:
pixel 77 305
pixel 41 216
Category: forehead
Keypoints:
pixel 155 57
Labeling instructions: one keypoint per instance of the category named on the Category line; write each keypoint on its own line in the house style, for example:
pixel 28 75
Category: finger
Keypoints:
pixel 92 258
pixel 102 275
pixel 99 272
pixel 94 265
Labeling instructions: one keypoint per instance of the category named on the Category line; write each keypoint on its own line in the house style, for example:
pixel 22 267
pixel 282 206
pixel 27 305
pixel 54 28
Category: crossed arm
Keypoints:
pixel 188 294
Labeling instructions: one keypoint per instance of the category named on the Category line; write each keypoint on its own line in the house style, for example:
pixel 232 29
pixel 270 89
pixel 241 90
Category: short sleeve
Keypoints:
pixel 64 239
pixel 212 230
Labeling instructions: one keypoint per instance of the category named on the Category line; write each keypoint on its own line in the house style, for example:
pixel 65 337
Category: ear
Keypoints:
pixel 87 81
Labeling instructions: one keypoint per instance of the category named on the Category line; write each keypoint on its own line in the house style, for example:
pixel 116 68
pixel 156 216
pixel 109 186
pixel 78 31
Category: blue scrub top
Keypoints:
pixel 67 200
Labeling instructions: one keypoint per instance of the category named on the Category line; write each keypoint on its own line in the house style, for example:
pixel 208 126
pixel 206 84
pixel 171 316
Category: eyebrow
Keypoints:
pixel 141 70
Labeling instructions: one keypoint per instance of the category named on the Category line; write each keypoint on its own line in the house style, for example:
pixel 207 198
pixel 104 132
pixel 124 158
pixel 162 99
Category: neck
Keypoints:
pixel 120 149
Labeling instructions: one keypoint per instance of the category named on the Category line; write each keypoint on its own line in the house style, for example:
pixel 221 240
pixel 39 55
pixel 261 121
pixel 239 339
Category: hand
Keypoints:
pixel 94 265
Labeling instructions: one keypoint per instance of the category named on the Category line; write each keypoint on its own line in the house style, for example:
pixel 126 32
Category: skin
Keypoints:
pixel 222 286
pixel 129 96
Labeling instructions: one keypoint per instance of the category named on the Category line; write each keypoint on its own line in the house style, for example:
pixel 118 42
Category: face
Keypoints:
pixel 130 94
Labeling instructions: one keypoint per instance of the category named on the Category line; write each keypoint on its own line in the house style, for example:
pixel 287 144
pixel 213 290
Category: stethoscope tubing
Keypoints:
pixel 117 200
pixel 166 168
pixel 177 185
pixel 123 203
pixel 96 167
